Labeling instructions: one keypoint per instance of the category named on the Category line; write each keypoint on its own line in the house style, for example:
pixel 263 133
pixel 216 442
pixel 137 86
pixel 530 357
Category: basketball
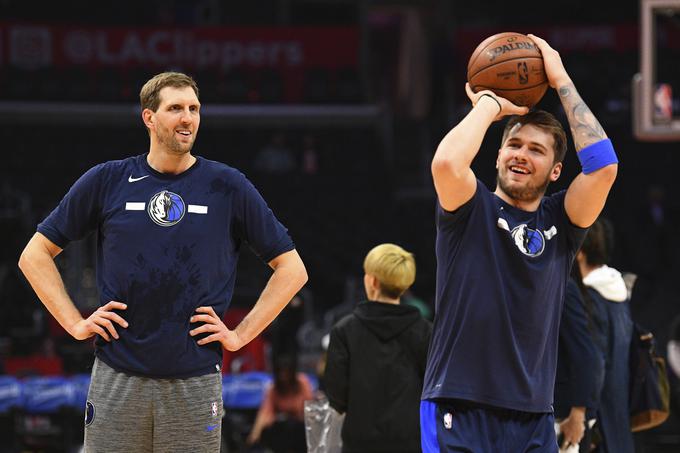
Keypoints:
pixel 510 65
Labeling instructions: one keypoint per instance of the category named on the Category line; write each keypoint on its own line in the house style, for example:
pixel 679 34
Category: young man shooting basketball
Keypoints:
pixel 503 259
pixel 169 227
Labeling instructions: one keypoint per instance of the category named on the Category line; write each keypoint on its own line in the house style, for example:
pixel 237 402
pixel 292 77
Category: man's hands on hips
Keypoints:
pixel 100 323
pixel 218 331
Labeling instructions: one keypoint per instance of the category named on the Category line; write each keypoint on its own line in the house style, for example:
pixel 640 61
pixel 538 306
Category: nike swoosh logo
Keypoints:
pixel 211 427
pixel 131 179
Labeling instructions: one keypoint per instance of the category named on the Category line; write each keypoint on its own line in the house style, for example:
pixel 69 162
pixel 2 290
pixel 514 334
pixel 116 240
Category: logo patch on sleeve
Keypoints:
pixel 89 413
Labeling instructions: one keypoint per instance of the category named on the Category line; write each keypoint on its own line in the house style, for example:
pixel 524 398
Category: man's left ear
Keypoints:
pixel 147 117
pixel 556 172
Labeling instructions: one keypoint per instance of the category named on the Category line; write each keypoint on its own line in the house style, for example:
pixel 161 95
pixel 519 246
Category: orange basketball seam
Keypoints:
pixel 504 61
pixel 510 89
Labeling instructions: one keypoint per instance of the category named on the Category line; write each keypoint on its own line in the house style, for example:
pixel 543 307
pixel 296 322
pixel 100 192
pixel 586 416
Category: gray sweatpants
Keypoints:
pixel 131 414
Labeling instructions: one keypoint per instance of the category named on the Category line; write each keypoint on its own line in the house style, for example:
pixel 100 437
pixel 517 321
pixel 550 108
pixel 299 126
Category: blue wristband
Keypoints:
pixel 598 155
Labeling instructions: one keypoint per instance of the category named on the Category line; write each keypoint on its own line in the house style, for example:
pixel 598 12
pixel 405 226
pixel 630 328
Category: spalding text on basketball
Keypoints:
pixel 500 50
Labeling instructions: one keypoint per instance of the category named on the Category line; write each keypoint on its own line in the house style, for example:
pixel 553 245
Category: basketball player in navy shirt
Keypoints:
pixel 503 259
pixel 169 228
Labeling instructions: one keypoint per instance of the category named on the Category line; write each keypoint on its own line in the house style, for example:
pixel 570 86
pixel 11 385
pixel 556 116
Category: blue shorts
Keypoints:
pixel 462 426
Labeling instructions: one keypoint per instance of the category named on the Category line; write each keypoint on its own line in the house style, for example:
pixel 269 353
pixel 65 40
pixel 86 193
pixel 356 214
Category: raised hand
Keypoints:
pixel 504 106
pixel 100 323
pixel 554 68
pixel 218 331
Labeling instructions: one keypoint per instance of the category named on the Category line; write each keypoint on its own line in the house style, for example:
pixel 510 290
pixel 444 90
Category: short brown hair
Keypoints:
pixel 149 96
pixel 394 267
pixel 545 121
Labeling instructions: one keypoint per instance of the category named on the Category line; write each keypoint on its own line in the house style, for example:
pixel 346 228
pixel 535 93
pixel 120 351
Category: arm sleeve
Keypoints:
pixel 457 219
pixel 336 376
pixel 575 234
pixel 257 225
pixel 585 360
pixel 78 213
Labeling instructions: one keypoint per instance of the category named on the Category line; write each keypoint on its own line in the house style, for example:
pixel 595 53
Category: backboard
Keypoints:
pixel 656 88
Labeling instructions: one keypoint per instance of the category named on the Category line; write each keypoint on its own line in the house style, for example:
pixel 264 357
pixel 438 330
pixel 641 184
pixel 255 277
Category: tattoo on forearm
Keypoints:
pixel 585 129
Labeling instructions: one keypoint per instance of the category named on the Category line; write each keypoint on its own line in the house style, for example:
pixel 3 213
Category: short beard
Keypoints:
pixel 525 193
pixel 173 146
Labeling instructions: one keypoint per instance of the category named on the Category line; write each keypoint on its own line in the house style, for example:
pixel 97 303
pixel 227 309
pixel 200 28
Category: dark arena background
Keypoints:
pixel 333 109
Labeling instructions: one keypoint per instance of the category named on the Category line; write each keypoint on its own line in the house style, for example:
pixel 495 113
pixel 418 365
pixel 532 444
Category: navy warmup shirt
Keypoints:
pixel 501 277
pixel 166 244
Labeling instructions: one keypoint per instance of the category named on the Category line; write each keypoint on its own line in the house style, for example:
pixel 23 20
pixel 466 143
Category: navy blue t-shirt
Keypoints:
pixel 166 244
pixel 501 277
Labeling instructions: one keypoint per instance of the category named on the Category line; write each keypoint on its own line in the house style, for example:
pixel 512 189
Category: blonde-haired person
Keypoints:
pixel 376 359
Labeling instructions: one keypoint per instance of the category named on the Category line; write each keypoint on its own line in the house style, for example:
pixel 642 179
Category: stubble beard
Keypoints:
pixel 526 193
pixel 172 145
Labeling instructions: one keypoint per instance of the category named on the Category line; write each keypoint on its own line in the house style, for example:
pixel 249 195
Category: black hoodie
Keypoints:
pixel 374 373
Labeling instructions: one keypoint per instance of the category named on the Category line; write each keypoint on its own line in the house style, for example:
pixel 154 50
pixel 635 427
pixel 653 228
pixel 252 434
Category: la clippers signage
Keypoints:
pixel 33 46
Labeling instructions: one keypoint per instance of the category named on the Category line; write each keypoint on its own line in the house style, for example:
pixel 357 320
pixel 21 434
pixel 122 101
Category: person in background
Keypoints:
pixel 279 424
pixel 376 359
pixel 603 289
pixel 580 371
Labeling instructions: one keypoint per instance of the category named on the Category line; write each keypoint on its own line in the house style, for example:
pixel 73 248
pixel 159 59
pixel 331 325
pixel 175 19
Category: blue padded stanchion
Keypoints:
pixel 244 391
pixel 47 395
pixel 10 393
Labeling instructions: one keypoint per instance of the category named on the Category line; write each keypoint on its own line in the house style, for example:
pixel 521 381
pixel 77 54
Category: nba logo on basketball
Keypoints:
pixel 448 420
pixel 523 73
pixel 214 409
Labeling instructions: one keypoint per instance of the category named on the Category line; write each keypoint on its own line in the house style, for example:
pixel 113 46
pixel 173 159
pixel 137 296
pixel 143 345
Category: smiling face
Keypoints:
pixel 174 124
pixel 526 163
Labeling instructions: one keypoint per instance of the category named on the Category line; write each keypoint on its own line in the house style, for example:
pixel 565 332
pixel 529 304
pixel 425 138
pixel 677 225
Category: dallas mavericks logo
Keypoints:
pixel 89 413
pixel 166 208
pixel 528 241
